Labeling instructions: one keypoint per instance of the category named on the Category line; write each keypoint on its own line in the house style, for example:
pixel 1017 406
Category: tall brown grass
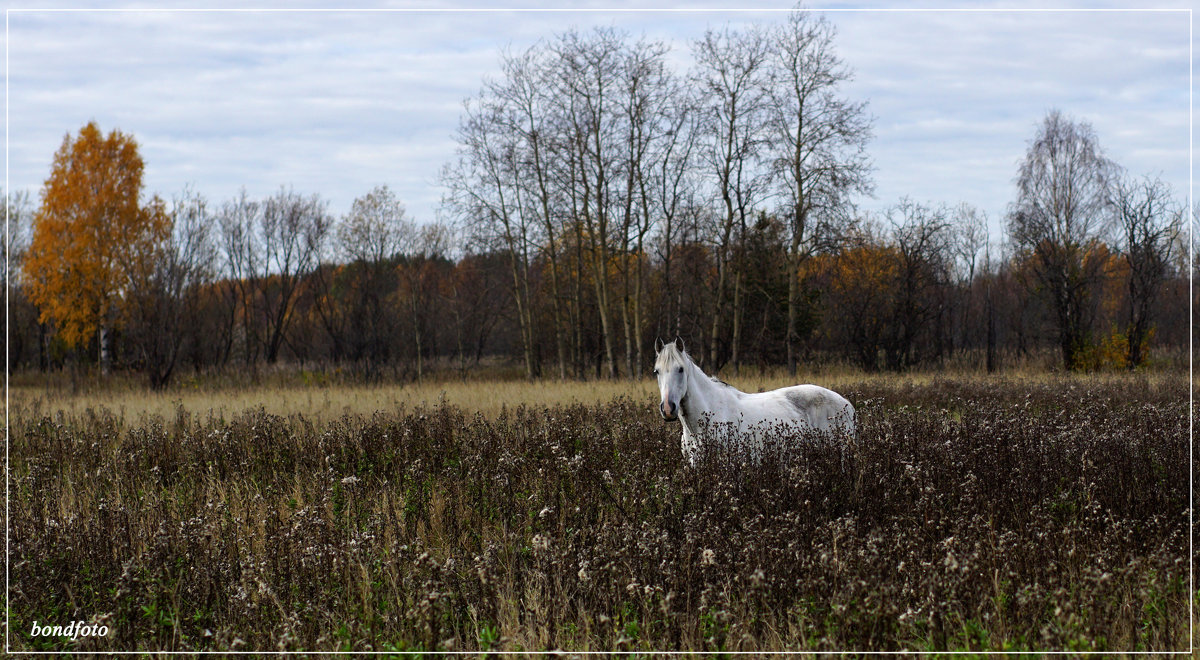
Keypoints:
pixel 969 514
pixel 321 397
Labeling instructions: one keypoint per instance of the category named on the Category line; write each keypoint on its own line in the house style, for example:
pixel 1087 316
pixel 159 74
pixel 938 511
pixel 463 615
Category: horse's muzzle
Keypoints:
pixel 670 414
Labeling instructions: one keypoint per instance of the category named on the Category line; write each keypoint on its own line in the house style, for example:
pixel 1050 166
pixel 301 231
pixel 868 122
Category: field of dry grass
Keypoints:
pixel 323 403
pixel 1022 513
pixel 320 401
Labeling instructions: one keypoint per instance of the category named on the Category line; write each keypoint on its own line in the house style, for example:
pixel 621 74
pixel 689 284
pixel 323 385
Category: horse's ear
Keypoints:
pixel 679 344
pixel 658 345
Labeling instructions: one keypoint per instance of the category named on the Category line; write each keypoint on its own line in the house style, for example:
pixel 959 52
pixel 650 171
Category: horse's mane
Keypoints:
pixel 673 352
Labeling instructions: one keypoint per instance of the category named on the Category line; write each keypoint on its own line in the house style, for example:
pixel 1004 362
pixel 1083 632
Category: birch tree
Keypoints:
pixel 589 84
pixel 1062 187
pixel 485 200
pixel 90 235
pixel 731 72
pixel 818 144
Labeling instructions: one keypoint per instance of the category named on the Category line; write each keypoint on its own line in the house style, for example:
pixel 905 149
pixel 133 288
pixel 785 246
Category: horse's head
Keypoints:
pixel 670 367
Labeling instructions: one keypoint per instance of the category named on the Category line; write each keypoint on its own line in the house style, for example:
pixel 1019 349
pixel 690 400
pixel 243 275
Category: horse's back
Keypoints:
pixel 824 408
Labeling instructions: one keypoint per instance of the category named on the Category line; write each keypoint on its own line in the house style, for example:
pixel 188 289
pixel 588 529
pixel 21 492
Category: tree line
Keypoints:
pixel 599 199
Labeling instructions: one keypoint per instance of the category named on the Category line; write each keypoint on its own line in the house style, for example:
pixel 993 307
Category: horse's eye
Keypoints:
pixel 656 372
pixel 680 369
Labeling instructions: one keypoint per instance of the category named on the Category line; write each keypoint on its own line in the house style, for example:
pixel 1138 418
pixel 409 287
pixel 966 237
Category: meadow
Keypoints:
pixel 1019 513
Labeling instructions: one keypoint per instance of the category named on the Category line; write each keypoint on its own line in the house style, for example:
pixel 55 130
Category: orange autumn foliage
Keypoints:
pixel 91 238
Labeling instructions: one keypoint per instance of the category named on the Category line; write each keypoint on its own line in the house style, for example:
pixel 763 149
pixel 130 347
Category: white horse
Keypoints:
pixel 715 413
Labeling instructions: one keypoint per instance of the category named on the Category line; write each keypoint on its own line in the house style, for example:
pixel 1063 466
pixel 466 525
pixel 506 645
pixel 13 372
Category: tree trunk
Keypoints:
pixel 735 341
pixel 992 364
pixel 560 340
pixel 717 315
pixel 560 333
pixel 577 312
pixel 105 355
pixel 627 314
pixel 523 316
pixel 793 312
pixel 723 262
pixel 600 263
pixel 43 347
pixel 416 320
pixel 637 311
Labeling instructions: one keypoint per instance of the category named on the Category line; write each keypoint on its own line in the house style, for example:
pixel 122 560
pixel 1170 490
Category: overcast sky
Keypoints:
pixel 336 103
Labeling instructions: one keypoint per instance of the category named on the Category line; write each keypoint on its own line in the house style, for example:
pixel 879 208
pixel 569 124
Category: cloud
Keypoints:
pixel 958 95
pixel 336 103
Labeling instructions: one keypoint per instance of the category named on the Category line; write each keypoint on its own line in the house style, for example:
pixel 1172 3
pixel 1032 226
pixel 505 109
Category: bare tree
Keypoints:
pixel 923 242
pixel 354 307
pixel 730 71
pixel 376 229
pixel 588 83
pixel 969 243
pixel 18 216
pixel 1149 222
pixel 486 201
pixel 293 230
pixel 165 303
pixel 674 189
pixel 268 248
pixel 1061 194
pixel 243 266
pixel 818 143
pixel 992 359
pixel 419 284
pixel 18 213
pixel 534 117
pixel 648 111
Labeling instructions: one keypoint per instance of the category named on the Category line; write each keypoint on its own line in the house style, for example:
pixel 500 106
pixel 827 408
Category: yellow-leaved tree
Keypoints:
pixel 91 236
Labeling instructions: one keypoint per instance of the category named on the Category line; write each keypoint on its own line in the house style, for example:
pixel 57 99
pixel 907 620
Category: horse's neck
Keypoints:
pixel 703 395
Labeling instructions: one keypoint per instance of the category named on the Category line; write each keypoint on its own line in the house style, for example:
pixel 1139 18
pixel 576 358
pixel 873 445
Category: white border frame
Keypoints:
pixel 1191 296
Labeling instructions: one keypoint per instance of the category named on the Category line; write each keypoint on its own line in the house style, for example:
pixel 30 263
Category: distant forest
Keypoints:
pixel 599 200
